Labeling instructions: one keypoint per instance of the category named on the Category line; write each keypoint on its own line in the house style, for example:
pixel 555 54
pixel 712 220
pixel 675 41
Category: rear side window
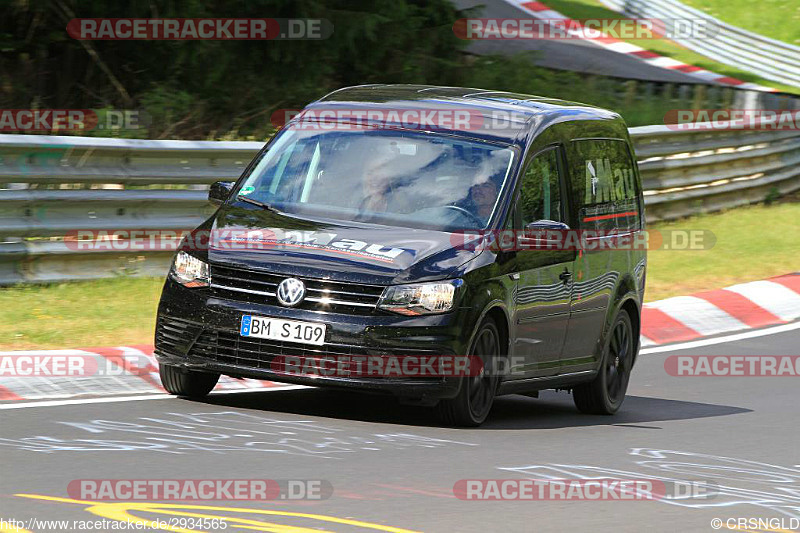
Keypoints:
pixel 604 185
pixel 540 190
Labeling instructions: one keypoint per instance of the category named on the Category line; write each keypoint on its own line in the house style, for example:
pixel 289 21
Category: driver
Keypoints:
pixel 482 197
pixel 376 187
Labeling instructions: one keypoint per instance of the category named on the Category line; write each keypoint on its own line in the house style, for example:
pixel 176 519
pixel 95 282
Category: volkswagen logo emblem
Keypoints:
pixel 291 292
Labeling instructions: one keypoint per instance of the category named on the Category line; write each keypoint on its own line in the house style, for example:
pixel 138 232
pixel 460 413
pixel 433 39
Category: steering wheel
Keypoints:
pixel 466 213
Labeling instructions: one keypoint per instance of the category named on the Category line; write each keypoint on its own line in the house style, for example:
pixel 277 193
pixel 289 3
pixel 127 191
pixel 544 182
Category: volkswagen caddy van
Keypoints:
pixel 399 220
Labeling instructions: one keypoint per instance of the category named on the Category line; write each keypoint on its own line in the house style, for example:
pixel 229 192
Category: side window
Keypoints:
pixel 604 186
pixel 540 190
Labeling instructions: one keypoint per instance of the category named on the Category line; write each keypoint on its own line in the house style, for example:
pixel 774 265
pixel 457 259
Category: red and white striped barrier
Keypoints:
pixel 743 306
pixel 541 11
pixel 130 370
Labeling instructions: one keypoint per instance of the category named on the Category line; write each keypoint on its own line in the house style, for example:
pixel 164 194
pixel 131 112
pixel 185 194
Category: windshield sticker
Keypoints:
pixel 619 209
pixel 605 185
pixel 247 190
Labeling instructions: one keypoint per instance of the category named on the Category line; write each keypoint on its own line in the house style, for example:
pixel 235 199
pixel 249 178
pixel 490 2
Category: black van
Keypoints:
pixel 392 221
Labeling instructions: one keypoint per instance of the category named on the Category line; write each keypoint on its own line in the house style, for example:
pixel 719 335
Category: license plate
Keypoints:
pixel 279 329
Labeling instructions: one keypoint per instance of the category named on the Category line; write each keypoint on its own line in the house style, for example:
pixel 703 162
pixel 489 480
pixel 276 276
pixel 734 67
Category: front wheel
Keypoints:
pixel 188 383
pixel 476 394
pixel 605 394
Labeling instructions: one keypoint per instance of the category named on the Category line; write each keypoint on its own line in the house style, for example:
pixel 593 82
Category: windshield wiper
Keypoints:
pixel 262 205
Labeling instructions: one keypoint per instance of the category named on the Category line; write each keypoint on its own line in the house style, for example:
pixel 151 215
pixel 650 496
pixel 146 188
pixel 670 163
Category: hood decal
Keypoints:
pixel 272 239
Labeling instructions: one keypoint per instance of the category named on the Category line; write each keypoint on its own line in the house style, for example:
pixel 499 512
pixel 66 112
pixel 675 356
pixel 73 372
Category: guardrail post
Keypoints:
pixel 698 101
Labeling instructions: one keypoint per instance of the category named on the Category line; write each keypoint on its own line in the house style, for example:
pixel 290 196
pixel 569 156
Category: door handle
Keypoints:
pixel 565 276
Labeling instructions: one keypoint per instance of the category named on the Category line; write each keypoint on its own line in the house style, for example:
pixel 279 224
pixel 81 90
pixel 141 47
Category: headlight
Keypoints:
pixel 189 271
pixel 420 298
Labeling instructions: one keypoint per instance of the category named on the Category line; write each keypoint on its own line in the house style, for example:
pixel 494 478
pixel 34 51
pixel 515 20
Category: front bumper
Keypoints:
pixel 198 329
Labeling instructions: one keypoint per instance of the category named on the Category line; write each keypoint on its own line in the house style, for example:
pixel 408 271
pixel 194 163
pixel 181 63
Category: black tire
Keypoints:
pixel 476 394
pixel 188 383
pixel 605 394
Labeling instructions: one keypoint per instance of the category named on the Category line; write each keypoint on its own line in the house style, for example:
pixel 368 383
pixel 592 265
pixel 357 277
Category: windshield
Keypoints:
pixel 399 178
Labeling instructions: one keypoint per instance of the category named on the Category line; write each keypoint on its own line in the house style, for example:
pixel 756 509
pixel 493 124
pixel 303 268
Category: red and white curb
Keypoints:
pixel 735 308
pixel 541 11
pixel 131 370
pixel 125 370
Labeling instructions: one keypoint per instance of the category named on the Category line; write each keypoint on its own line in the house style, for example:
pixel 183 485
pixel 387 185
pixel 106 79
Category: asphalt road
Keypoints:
pixel 581 56
pixel 391 465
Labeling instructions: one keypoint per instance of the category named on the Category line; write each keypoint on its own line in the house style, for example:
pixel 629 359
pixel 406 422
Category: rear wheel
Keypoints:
pixel 188 383
pixel 605 394
pixel 476 394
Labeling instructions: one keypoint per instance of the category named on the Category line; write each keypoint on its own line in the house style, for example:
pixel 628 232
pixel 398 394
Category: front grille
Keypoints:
pixel 175 336
pixel 182 338
pixel 230 348
pixel 321 295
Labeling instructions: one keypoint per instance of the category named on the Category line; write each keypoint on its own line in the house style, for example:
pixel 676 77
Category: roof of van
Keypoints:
pixel 490 115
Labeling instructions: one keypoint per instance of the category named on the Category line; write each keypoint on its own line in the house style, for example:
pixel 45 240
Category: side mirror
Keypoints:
pixel 220 191
pixel 536 237
pixel 540 225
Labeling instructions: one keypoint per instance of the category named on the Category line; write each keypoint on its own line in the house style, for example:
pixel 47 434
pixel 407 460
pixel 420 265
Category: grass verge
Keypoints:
pixel 752 243
pixel 777 19
pixel 108 312
pixel 122 311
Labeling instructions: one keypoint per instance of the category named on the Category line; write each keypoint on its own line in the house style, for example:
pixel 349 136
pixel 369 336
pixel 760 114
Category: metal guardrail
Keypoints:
pixel 771 59
pixel 56 185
